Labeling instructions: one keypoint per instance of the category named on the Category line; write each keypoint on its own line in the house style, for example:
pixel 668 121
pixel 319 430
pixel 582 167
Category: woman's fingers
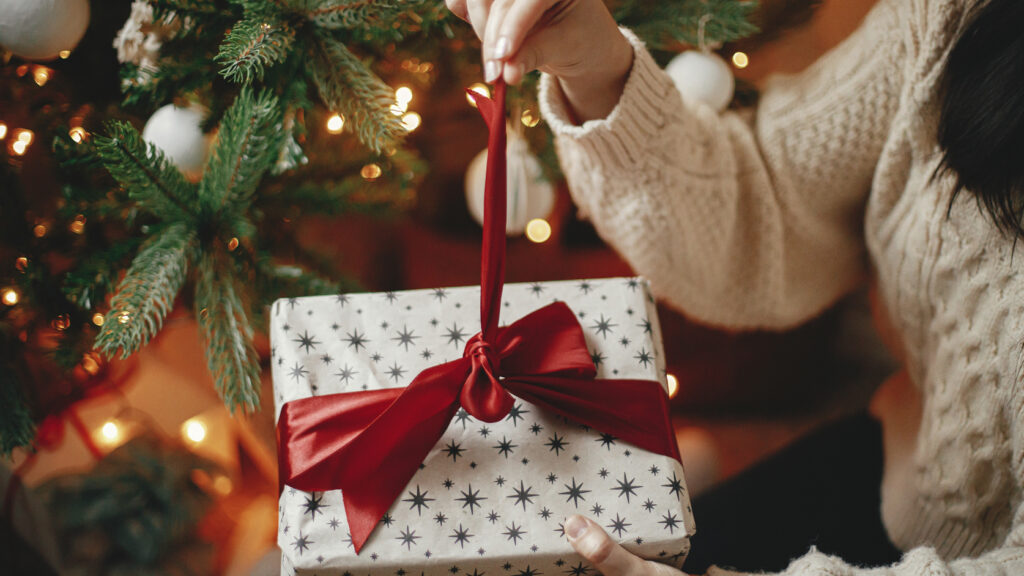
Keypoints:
pixel 590 541
pixel 517 23
pixel 478 12
pixel 458 7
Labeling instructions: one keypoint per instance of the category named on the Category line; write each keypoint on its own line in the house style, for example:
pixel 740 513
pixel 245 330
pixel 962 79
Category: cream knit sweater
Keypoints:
pixel 762 219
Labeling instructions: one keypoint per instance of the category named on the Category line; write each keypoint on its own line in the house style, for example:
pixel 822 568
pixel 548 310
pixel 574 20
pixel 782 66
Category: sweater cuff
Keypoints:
pixel 618 140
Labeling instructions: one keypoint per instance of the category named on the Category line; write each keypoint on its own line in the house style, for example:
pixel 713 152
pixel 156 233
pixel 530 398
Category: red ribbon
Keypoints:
pixel 369 444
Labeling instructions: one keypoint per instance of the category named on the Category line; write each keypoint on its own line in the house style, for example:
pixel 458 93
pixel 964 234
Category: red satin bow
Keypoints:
pixel 369 444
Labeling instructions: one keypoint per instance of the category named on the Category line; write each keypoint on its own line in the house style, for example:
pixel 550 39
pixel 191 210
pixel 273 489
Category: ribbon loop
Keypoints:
pixel 483 395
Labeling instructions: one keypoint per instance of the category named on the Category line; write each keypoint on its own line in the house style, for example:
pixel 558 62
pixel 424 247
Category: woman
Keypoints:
pixel 897 158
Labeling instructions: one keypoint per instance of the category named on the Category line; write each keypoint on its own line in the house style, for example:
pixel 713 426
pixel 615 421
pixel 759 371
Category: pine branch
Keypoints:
pixel 88 283
pixel 147 292
pixel 348 86
pixel 16 425
pixel 251 47
pixel 227 335
pixel 351 14
pixel 659 23
pixel 145 173
pixel 248 145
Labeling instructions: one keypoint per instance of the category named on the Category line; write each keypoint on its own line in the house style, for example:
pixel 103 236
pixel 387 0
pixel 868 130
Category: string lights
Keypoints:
pixel 740 60
pixel 673 386
pixel 335 124
pixel 481 89
pixel 538 230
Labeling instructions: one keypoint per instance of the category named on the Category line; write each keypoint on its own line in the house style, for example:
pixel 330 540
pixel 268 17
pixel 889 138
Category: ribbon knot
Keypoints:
pixel 483 395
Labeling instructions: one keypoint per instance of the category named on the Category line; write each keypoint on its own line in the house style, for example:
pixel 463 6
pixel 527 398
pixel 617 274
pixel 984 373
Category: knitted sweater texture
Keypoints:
pixel 763 218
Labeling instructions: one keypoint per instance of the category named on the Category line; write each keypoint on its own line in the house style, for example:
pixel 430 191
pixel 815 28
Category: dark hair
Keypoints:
pixel 981 128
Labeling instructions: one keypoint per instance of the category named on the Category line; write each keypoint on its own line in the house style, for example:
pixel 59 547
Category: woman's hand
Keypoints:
pixel 610 559
pixel 577 41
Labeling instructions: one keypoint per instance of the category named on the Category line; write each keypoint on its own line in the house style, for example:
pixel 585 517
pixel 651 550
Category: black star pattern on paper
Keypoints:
pixel 639 540
pixel 575 457
pixel 334 523
pixel 646 325
pixel 475 571
pixel 326 359
pixel 514 533
pixel 529 571
pixel 440 518
pixel 461 536
pixel 544 513
pixel 624 341
pixel 346 373
pixel 335 326
pixel 626 487
pixel 434 322
pixel 606 440
pixel 376 357
pixel 292 303
pixel 480 552
pixel 597 358
pixel 448 483
pixel 644 357
pixel 536 428
pixel 387 520
pixel 356 340
pixel 505 447
pixel 603 326
pixel 286 327
pixel 302 543
pixel 603 472
pixel 419 500
pixel 675 485
pixel 525 461
pixel 585 287
pixel 493 516
pixel 654 469
pixel 306 341
pixel 551 477
pixel 484 431
pixel 500 480
pixel 597 510
pixel 405 337
pixel 396 371
pixel 391 297
pixel 298 372
pixel 440 294
pixel 408 538
pixel 454 450
pixel 348 540
pixel 579 569
pixel 313 505
pixel 455 335
pixel 341 299
pixel 556 443
pixel 574 492
pixel 670 522
pixel 454 569
pixel 426 354
pixel 536 288
pixel 515 414
pixel 506 566
pixel 633 284
pixel 649 505
pixel 523 495
pixel 470 498
pixel 462 416
pixel 618 525
pixel 534 548
pixel 627 453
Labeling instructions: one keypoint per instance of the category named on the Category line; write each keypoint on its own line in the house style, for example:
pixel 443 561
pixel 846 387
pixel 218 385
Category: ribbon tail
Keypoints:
pixel 636 411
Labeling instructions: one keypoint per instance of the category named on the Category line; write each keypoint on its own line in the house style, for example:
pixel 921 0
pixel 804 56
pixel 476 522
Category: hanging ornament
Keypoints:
pixel 701 75
pixel 529 194
pixel 177 131
pixel 42 29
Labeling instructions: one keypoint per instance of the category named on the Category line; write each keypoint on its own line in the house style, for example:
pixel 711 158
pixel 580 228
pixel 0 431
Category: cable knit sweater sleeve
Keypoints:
pixel 743 220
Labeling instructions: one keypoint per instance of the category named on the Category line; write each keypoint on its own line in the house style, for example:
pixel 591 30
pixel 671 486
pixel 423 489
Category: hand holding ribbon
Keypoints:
pixel 370 444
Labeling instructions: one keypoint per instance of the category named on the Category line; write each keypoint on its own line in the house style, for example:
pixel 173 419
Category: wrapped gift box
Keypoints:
pixel 489 498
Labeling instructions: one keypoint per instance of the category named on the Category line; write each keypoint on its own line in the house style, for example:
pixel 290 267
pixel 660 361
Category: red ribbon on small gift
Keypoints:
pixel 369 444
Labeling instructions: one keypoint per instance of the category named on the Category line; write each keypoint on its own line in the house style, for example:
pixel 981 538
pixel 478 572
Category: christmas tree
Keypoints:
pixel 106 228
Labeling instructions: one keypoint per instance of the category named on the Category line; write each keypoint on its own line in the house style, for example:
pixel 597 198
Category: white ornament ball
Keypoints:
pixel 41 29
pixel 177 132
pixel 530 196
pixel 703 77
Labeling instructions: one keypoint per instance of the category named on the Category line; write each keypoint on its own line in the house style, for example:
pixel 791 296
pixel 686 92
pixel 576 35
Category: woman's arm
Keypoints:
pixel 747 219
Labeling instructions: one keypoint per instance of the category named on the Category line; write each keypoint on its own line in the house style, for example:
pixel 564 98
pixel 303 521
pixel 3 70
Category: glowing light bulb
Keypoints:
pixel 64 54
pixel 25 136
pixel 232 244
pixel 110 431
pixel 124 318
pixel 673 386
pixel 335 124
pixel 403 95
pixel 40 229
pixel 530 118
pixel 41 75
pixel 194 430
pixel 11 296
pixel 411 121
pixel 222 485
pixel 77 226
pixel 479 88
pixel 21 264
pixel 19 147
pixel 538 230
pixel 370 172
pixel 3 130
pixel 98 319
pixel 740 60
pixel 77 134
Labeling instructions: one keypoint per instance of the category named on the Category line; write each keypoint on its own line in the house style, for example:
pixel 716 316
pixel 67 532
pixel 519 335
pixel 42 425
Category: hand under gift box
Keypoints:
pixel 407 443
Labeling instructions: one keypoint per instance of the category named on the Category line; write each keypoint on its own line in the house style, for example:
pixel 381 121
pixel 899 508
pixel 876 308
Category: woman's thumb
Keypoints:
pixel 593 543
